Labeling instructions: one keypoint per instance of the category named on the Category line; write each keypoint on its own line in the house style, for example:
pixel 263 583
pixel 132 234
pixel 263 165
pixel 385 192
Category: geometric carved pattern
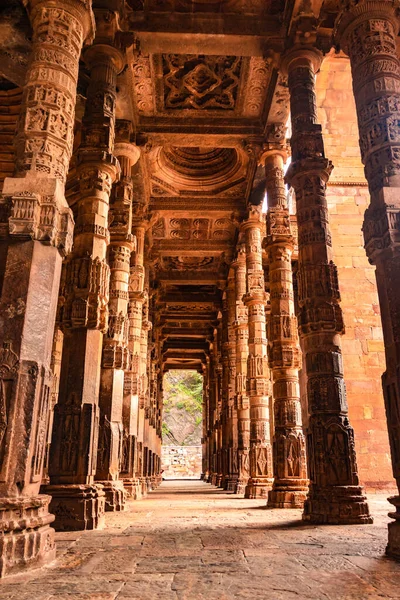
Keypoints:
pixel 184 228
pixel 200 82
pixel 188 262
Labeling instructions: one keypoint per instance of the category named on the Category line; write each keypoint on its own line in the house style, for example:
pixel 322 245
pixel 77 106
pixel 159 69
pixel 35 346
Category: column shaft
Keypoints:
pixel 242 352
pixel 368 33
pixel 335 495
pixel 132 380
pixel 77 501
pixel 258 376
pixel 115 358
pixel 36 228
pixel 290 481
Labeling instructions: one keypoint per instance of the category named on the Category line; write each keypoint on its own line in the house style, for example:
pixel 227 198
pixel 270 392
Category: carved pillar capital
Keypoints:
pixel 127 150
pixel 255 218
pixel 300 56
pixel 275 142
pixel 41 215
pixel 79 9
pixel 104 54
pixel 357 15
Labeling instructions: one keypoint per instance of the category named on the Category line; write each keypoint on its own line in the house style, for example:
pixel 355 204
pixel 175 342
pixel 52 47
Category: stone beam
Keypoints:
pixel 188 248
pixel 220 34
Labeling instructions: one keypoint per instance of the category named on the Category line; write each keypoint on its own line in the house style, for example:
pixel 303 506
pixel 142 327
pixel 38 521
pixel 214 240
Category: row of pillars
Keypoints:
pixel 77 330
pixel 105 364
pixel 270 461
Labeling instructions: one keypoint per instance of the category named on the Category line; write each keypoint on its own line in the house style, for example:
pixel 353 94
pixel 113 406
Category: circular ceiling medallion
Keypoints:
pixel 197 166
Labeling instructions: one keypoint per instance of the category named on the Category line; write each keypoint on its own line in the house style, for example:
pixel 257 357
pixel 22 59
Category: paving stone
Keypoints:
pixel 190 541
pixel 149 586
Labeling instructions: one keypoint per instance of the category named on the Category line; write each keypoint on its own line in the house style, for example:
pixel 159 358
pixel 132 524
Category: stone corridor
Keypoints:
pixel 189 541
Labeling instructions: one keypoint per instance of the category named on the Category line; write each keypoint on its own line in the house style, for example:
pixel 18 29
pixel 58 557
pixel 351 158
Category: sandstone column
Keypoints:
pixel 143 434
pixel 232 423
pixel 290 474
pixel 132 375
pixel 242 351
pixel 36 228
pixel 368 34
pixel 224 394
pixel 258 379
pixel 115 358
pixel 77 501
pixel 335 495
pixel 205 413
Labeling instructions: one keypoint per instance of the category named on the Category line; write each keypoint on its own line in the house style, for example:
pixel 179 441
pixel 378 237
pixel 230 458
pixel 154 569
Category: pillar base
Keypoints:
pixel 393 546
pixel 27 540
pixel 288 496
pixel 115 495
pixel 257 488
pixel 240 486
pixel 231 483
pixel 133 488
pixel 218 480
pixel 337 505
pixel 77 507
pixel 143 486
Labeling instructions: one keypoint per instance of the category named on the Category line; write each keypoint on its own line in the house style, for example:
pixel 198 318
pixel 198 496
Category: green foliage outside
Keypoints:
pixel 183 398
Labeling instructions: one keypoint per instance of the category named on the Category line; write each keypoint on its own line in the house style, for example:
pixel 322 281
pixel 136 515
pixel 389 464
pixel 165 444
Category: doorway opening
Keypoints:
pixel 182 425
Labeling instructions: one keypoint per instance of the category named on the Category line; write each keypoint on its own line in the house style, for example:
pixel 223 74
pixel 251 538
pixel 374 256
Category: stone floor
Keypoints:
pixel 191 541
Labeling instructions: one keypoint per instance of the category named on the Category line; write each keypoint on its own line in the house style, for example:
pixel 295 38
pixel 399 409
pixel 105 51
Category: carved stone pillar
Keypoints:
pixel 115 359
pixel 368 33
pixel 205 412
pixel 242 402
pixel 258 378
pixel 224 393
pixel 36 228
pixel 232 423
pixel 130 450
pixel 77 501
pixel 144 391
pixel 290 472
pixel 55 366
pixel 335 495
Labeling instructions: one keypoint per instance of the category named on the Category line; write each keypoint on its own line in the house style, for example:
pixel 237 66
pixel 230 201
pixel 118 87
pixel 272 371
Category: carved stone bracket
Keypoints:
pixel 42 216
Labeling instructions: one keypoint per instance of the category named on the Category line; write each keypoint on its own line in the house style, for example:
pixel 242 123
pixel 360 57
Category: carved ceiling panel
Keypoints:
pixel 198 171
pixel 201 82
pixel 182 263
pixel 197 85
pixel 185 228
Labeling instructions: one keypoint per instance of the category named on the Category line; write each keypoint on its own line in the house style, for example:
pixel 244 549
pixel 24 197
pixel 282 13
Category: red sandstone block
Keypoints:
pixel 375 346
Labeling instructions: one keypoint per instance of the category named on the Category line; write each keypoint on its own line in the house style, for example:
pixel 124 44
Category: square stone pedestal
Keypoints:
pixel 27 540
pixel 258 488
pixel 288 494
pixel 337 505
pixel 393 547
pixel 133 488
pixel 77 507
pixel 115 495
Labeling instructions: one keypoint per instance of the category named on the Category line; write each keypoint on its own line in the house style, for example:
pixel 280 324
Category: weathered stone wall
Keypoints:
pixel 181 462
pixel 363 350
